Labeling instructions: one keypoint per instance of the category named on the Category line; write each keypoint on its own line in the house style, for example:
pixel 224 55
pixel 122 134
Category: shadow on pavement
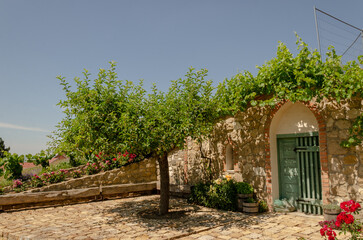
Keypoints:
pixel 182 217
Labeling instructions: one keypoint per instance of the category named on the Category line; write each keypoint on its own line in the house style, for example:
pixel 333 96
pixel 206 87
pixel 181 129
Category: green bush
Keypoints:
pixel 244 188
pixel 11 164
pixel 221 194
pixel 262 206
pixel 42 158
pixel 199 194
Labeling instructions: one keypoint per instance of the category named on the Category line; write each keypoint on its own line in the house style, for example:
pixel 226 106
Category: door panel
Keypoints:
pixel 299 171
pixel 288 170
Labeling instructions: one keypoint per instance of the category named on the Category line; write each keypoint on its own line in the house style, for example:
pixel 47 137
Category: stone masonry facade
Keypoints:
pixel 248 134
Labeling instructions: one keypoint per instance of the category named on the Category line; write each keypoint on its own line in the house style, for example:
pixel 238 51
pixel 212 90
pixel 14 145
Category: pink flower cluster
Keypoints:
pixel 17 183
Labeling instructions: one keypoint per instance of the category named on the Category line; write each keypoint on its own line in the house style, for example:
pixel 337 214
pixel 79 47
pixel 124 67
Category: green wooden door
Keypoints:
pixel 288 170
pixel 299 171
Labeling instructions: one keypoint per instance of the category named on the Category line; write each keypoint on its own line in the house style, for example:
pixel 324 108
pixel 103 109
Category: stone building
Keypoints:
pixel 288 151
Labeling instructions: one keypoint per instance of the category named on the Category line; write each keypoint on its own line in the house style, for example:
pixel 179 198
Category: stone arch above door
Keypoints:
pixel 293 118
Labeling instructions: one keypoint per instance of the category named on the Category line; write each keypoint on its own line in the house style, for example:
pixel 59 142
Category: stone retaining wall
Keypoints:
pixel 138 177
pixel 140 172
pixel 52 198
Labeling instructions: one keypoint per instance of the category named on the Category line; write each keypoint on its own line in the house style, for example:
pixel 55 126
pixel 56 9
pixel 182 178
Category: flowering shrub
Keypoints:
pixel 36 181
pixel 328 232
pixel 55 177
pixel 345 222
pixel 18 185
pixel 76 173
pixel 93 168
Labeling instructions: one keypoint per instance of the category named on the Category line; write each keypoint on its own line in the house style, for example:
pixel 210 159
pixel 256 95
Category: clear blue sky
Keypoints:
pixel 154 40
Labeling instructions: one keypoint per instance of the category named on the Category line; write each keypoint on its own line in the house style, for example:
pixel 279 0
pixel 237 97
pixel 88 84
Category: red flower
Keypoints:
pixel 350 206
pixel 328 231
pixel 344 217
pixel 338 223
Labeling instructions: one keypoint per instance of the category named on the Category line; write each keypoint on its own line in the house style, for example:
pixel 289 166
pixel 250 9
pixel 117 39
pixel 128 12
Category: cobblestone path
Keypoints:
pixel 128 219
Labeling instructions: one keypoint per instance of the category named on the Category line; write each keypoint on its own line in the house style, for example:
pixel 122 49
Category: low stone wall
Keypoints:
pixel 140 172
pixel 138 177
pixel 51 198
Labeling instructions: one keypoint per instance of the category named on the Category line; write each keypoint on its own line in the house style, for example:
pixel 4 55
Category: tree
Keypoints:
pixel 112 116
pixel 3 149
pixel 186 110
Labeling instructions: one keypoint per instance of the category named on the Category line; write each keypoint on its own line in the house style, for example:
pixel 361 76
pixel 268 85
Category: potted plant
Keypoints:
pixel 250 206
pixel 244 191
pixel 331 211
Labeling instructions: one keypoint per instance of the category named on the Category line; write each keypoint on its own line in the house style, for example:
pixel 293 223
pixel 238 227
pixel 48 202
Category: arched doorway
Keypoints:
pixel 294 156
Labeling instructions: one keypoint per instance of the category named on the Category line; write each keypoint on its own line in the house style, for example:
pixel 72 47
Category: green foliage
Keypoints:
pixel 330 207
pixel 356 133
pixel 10 165
pixel 244 188
pixel 101 116
pixel 187 109
pixel 199 194
pixel 76 161
pixel 219 194
pixel 55 177
pixel 251 200
pixel 3 148
pixel 262 206
pixel 223 196
pixel 107 115
pixel 301 78
pixel 41 158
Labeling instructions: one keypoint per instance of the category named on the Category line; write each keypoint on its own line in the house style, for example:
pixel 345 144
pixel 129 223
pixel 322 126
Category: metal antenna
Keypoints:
pixel 317 33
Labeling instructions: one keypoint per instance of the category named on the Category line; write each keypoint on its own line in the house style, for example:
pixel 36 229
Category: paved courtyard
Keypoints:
pixel 130 218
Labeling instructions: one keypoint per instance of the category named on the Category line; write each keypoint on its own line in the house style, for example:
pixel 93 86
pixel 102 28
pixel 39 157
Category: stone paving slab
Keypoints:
pixel 123 219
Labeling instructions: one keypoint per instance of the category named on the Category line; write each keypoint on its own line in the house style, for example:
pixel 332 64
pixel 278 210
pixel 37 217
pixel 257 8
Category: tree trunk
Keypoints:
pixel 164 184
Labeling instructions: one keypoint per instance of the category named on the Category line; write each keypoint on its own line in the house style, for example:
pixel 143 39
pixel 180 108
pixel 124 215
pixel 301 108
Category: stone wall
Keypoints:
pixel 140 172
pixel 345 164
pixel 247 133
pixel 206 161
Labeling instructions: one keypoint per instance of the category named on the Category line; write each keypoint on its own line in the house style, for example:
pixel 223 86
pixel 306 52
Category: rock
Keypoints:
pixel 350 159
pixel 335 148
pixel 353 113
pixel 337 115
pixel 343 124
pixel 330 122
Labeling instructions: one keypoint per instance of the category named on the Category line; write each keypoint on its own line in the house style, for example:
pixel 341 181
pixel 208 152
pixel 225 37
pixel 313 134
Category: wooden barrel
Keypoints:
pixel 331 214
pixel 242 198
pixel 250 207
